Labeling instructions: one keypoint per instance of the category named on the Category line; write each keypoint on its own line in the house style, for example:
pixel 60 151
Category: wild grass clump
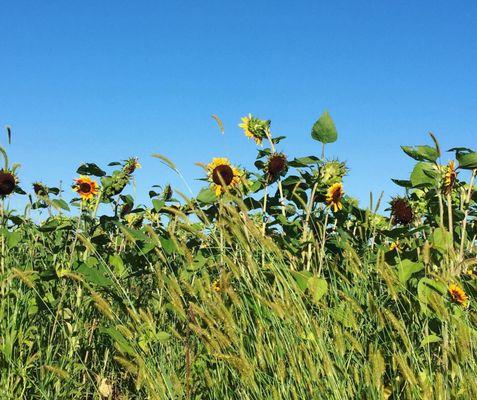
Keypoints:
pixel 273 284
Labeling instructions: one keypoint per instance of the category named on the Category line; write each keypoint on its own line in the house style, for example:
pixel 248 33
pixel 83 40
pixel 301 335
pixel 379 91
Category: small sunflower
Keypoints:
pixel 222 175
pixel 394 246
pixel 40 189
pixel 458 295
pixel 401 211
pixel 8 182
pixel 277 165
pixel 216 286
pixel 85 187
pixel 334 196
pixel 449 177
pixel 131 165
pixel 255 128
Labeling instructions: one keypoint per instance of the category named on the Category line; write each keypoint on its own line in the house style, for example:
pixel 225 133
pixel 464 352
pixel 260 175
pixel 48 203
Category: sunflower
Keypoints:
pixel 394 246
pixel 334 196
pixel 8 182
pixel 401 211
pixel 40 189
pixel 221 174
pixel 449 177
pixel 277 166
pixel 85 187
pixel 458 295
pixel 255 128
pixel 131 165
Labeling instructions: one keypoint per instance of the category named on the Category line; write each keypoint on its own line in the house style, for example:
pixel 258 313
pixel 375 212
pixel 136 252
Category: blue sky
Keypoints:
pixel 98 81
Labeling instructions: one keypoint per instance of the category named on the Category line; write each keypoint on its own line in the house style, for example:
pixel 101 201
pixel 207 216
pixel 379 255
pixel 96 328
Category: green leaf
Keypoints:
pixel 403 183
pixel 302 278
pixel 442 240
pixel 121 342
pixel 163 336
pixel 95 276
pixel 207 196
pixel 467 160
pixel 324 129
pixel 423 174
pixel 407 268
pixel 117 264
pixel 317 288
pixel 421 153
pixel 13 238
pixel 430 339
pixel 427 289
pixel 90 169
pixel 60 203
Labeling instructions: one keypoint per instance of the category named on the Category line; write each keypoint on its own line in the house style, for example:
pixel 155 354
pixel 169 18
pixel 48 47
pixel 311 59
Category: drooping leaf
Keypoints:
pixel 423 175
pixel 90 169
pixel 406 268
pixel 317 288
pixel 467 160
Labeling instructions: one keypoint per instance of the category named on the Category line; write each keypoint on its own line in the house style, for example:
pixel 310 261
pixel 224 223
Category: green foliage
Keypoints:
pixel 265 290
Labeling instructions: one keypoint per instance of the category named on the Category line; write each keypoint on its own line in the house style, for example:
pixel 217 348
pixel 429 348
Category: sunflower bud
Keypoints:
pixel 40 189
pixel 332 172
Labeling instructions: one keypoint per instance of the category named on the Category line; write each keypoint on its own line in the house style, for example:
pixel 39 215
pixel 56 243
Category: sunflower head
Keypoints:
pixel 8 182
pixel 222 175
pixel 334 196
pixel 401 211
pixel 332 172
pixel 131 165
pixel 449 177
pixel 458 296
pixel 277 166
pixel 255 128
pixel 40 189
pixel 85 187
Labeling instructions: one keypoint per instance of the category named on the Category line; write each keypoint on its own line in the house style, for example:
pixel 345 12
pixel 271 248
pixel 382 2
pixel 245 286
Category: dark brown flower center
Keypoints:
pixel 402 211
pixel 85 187
pixel 277 165
pixel 336 195
pixel 7 183
pixel 223 175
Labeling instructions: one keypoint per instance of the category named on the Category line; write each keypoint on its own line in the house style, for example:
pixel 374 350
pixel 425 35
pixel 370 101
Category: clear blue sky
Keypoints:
pixel 97 81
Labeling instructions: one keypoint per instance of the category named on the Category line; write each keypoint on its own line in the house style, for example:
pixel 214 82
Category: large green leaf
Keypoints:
pixel 207 196
pixel 407 268
pixel 442 240
pixel 467 160
pixel 324 129
pixel 423 174
pixel 317 288
pixel 421 153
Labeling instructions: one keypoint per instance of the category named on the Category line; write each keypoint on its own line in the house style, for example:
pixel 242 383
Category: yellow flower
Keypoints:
pixel 254 128
pixel 222 175
pixel 449 177
pixel 334 196
pixel 458 295
pixel 85 187
pixel 394 246
pixel 216 286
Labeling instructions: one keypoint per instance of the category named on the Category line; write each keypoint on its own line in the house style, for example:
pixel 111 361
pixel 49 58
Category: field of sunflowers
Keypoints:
pixel 269 284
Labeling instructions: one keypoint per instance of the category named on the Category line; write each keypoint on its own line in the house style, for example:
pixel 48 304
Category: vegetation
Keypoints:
pixel 271 284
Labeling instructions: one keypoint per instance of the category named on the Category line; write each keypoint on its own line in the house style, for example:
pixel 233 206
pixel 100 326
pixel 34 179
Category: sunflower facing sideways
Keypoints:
pixel 255 128
pixel 458 295
pixel 334 195
pixel 449 177
pixel 222 175
pixel 8 182
pixel 85 187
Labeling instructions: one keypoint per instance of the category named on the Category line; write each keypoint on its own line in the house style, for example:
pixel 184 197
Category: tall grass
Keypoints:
pixel 223 298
